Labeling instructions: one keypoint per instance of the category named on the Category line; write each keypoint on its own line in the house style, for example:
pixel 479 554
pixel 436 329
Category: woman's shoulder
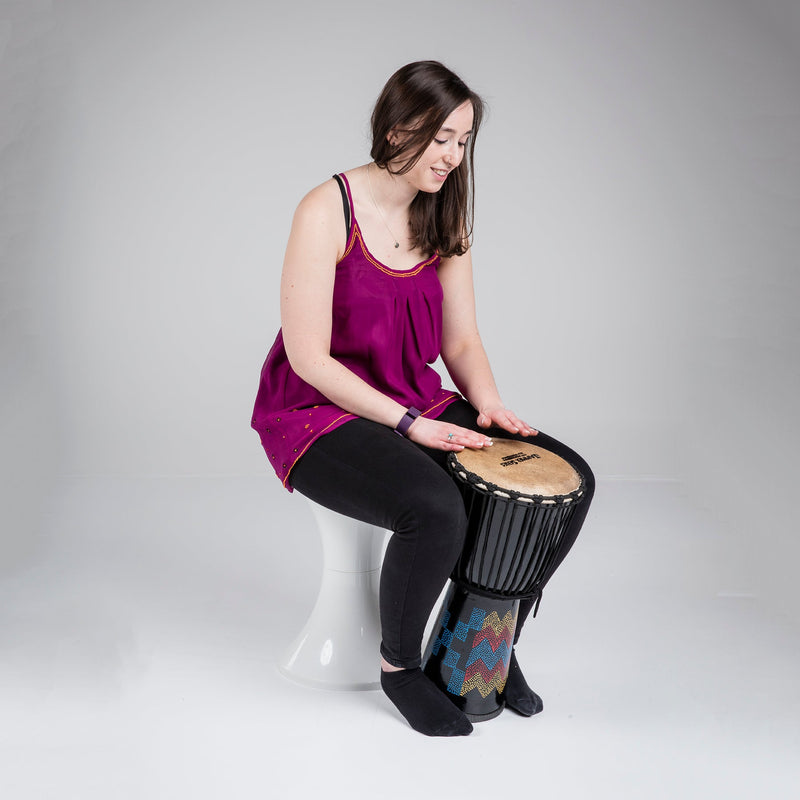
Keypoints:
pixel 320 216
pixel 327 196
pixel 321 199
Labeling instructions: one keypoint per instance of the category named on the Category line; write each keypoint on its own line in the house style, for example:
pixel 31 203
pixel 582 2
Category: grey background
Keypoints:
pixel 636 243
pixel 636 248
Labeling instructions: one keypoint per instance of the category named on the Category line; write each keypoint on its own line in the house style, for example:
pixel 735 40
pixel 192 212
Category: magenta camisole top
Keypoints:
pixel 386 328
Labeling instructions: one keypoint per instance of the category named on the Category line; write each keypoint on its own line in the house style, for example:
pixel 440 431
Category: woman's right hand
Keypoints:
pixel 445 436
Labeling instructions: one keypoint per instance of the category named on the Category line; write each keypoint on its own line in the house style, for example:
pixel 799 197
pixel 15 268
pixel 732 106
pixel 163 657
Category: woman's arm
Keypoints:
pixel 316 243
pixel 462 349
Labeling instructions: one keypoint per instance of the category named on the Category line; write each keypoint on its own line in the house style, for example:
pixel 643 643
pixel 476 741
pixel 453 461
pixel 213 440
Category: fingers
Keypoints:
pixel 445 436
pixel 455 438
pixel 518 426
pixel 507 420
pixel 484 420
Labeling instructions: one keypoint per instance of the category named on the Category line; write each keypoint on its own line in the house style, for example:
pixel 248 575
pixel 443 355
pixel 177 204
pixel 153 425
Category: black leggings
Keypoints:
pixel 366 471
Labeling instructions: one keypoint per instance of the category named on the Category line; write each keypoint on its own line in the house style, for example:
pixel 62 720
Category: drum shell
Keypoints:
pixel 511 542
pixel 469 652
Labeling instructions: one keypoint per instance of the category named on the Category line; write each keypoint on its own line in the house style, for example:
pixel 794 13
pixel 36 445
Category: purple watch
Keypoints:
pixel 405 422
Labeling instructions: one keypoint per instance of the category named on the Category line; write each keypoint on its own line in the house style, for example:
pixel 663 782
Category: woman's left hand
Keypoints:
pixel 505 419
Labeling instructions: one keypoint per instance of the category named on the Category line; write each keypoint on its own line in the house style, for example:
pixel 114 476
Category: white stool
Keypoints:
pixel 339 646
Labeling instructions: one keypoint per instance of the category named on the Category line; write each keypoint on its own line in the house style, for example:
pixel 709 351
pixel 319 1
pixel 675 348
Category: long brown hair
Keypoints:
pixel 415 102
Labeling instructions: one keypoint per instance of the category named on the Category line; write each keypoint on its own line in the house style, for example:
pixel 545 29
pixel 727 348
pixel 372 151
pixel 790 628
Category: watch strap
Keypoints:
pixel 405 422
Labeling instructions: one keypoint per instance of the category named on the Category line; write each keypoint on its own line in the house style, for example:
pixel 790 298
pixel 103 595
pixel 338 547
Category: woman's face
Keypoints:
pixel 445 152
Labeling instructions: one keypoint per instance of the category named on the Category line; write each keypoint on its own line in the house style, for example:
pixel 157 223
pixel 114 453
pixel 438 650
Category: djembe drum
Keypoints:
pixel 519 499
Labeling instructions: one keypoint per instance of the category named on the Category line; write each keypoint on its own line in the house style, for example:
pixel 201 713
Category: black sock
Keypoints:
pixel 423 704
pixel 518 695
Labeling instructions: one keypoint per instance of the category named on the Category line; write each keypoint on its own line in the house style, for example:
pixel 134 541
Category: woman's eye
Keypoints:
pixel 440 141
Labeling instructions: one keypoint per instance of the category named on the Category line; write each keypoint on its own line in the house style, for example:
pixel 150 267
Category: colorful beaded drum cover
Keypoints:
pixel 519 499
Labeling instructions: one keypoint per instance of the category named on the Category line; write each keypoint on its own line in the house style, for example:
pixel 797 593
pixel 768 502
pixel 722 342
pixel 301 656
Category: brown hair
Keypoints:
pixel 415 102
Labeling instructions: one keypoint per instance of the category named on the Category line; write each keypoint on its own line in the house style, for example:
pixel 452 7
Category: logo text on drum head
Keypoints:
pixel 517 458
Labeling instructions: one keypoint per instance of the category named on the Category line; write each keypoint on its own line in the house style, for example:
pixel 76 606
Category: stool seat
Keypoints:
pixel 338 648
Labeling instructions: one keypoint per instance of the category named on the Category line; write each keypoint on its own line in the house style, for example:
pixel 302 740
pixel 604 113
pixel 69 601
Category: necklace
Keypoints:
pixel 378 209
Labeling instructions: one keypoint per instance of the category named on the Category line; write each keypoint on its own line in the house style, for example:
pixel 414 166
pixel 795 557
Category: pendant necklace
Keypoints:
pixel 378 209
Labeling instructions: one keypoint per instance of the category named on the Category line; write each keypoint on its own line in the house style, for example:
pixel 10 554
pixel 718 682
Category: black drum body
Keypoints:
pixel 513 540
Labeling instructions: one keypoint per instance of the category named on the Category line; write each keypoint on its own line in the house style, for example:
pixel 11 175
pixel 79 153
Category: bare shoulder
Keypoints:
pixel 318 222
pixel 323 202
pixel 323 194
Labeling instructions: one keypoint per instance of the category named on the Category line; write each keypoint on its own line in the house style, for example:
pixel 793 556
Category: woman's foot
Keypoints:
pixel 423 704
pixel 518 695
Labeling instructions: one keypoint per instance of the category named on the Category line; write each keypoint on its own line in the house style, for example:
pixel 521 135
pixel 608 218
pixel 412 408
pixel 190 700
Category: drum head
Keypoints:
pixel 519 467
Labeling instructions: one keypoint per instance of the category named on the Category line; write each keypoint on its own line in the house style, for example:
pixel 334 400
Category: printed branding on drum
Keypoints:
pixel 517 458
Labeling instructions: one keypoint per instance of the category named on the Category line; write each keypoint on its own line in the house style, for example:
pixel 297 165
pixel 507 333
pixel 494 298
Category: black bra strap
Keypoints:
pixel 345 203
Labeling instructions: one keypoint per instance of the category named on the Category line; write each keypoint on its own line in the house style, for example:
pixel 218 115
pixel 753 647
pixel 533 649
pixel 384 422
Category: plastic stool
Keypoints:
pixel 339 646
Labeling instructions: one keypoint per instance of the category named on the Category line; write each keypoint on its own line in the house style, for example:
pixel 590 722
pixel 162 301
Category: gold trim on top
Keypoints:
pixel 350 244
pixel 450 396
pixel 397 273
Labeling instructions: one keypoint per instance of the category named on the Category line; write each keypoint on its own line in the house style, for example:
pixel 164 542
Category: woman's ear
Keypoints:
pixel 393 138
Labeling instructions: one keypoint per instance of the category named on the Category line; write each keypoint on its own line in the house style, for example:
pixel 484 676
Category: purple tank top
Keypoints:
pixel 387 329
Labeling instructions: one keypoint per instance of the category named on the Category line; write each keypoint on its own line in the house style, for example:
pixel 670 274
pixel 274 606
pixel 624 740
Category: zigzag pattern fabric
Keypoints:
pixel 486 667
pixel 487 663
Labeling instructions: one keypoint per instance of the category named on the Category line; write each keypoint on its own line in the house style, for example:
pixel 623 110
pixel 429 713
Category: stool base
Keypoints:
pixel 339 646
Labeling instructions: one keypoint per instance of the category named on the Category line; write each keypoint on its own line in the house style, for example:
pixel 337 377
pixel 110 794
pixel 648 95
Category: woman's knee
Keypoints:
pixel 436 511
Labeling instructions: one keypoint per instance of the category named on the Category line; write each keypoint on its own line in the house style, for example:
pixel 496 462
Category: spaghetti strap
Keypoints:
pixel 347 203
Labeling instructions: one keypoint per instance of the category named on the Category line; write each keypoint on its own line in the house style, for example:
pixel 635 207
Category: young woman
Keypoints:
pixel 377 283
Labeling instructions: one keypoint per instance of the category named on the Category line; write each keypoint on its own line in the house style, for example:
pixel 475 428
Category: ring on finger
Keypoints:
pixel 450 437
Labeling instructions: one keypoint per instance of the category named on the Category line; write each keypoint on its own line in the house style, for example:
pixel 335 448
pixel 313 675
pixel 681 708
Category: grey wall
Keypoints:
pixel 636 244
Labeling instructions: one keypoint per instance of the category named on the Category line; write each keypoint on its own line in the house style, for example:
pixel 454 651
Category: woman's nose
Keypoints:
pixel 453 155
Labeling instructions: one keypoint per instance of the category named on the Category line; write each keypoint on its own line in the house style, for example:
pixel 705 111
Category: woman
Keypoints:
pixel 376 284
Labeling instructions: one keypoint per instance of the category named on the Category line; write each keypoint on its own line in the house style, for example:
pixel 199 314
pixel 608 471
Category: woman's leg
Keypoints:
pixel 366 471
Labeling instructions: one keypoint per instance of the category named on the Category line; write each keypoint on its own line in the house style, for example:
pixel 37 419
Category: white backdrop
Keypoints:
pixel 636 242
